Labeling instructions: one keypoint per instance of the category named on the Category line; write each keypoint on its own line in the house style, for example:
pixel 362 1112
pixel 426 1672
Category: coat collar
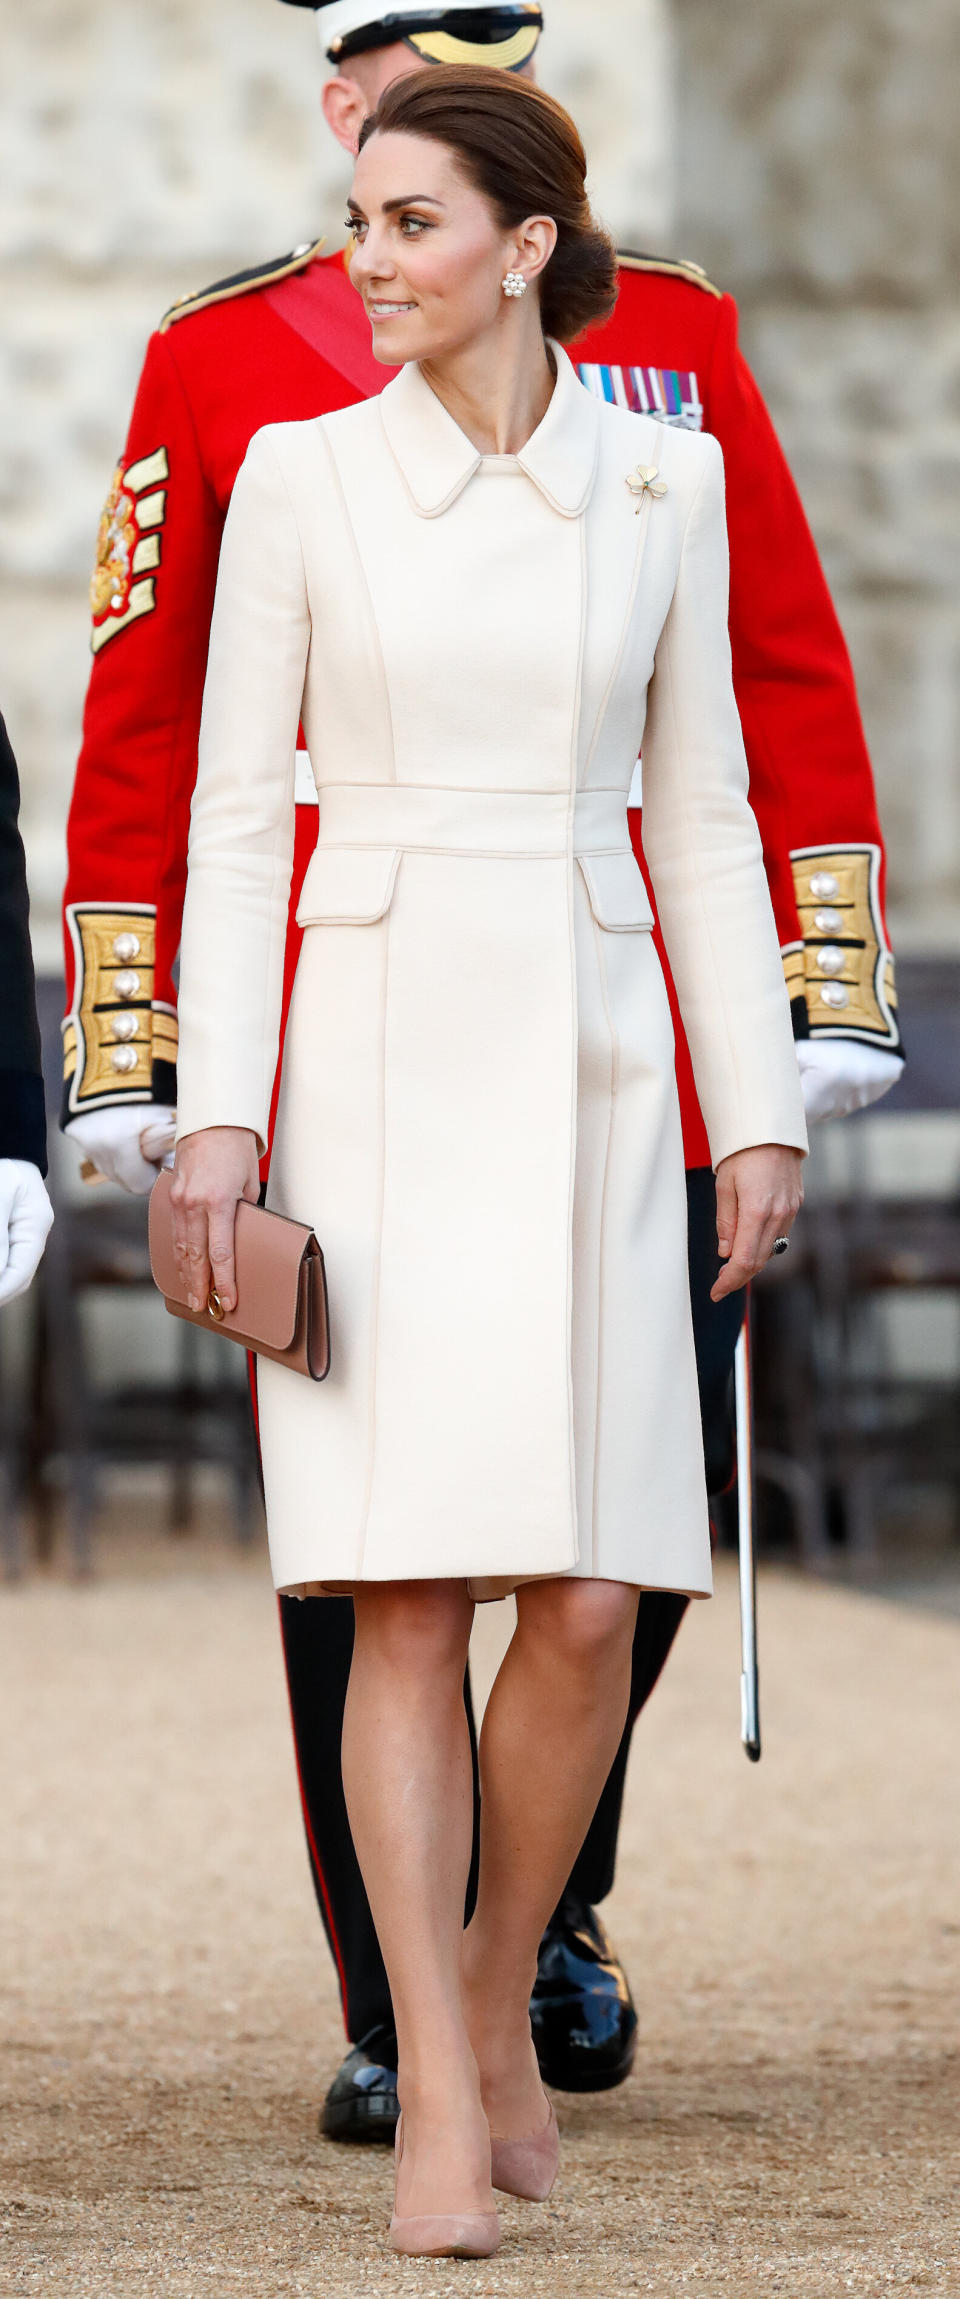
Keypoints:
pixel 437 459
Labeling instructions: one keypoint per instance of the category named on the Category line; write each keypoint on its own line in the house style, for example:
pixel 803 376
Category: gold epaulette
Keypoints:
pixel 674 267
pixel 843 968
pixel 241 283
pixel 116 1029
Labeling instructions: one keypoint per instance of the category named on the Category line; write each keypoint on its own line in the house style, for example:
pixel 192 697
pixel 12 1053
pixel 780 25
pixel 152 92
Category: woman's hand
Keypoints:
pixel 759 1194
pixel 213 1169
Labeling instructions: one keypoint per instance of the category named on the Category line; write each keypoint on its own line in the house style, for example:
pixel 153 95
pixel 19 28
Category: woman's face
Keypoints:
pixel 429 255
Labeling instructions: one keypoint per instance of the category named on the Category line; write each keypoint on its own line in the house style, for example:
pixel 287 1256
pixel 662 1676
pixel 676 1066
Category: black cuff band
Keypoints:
pixel 23 1122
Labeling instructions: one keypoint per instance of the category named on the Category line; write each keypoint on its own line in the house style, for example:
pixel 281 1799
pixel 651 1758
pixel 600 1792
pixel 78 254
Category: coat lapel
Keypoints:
pixel 437 459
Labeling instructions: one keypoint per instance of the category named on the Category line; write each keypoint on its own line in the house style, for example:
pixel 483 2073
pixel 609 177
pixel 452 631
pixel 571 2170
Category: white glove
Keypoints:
pixel 839 1075
pixel 111 1140
pixel 26 1215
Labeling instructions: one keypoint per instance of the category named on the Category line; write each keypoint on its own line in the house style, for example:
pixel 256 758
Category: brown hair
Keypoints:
pixel 519 148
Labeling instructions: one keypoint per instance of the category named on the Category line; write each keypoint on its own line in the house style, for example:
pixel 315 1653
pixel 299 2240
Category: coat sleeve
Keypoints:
pixel 22 1119
pixel 151 599
pixel 705 858
pixel 242 822
pixel 811 783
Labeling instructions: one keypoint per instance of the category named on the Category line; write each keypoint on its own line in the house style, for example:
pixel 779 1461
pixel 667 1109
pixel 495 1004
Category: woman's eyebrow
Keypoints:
pixel 412 199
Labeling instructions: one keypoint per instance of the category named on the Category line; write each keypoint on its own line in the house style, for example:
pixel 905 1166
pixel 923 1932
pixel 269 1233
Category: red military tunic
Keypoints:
pixel 291 342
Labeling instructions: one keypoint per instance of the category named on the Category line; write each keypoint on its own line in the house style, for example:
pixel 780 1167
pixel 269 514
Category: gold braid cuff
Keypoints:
pixel 115 1029
pixel 844 966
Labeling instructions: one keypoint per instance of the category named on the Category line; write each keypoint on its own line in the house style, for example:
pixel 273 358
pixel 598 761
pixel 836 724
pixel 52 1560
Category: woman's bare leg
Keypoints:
pixel 408 1781
pixel 551 1730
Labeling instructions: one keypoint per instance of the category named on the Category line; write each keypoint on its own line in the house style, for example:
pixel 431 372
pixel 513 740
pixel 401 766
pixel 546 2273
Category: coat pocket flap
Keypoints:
pixel 348 885
pixel 618 896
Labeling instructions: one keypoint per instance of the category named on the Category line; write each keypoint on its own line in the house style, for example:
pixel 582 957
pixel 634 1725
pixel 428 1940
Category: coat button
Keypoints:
pixel 127 984
pixel 834 994
pixel 123 1058
pixel 126 946
pixel 828 921
pixel 824 886
pixel 830 960
pixel 123 1025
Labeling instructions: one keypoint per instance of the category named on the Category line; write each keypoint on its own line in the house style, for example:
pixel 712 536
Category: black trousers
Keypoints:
pixel 318 1644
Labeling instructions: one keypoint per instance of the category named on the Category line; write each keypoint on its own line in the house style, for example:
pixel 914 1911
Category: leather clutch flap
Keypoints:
pixel 281 1307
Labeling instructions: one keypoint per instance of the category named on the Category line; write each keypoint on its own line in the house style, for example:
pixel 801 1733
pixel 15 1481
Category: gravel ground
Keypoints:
pixel 170 2022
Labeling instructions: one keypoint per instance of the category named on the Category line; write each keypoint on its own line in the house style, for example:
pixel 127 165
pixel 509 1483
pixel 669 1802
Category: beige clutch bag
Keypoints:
pixel 281 1307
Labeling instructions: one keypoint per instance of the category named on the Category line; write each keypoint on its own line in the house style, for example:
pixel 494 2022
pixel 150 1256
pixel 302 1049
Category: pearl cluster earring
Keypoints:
pixel 514 284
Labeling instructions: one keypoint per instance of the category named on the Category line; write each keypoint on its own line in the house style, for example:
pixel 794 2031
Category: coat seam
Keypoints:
pixel 368 595
pixel 614 1090
pixel 464 853
pixel 489 790
pixel 574 997
pixel 269 1065
pixel 703 906
pixel 624 634
pixel 374 1368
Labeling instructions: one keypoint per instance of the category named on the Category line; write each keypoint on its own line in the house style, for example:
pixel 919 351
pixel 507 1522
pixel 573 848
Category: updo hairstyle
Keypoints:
pixel 522 151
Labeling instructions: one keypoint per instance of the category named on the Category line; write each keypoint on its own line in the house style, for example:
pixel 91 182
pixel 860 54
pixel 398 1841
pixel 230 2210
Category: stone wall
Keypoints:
pixel 148 149
pixel 818 176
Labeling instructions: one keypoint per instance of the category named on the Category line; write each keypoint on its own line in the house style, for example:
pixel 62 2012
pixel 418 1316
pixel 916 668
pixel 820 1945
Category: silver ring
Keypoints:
pixel 781 1245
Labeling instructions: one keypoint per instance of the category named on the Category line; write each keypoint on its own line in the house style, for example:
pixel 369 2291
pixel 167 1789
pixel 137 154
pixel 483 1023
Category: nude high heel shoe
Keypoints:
pixel 444 2234
pixel 527 2167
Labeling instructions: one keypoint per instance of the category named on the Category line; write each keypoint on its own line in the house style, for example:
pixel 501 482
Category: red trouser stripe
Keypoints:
pixel 308 1825
pixel 318 1869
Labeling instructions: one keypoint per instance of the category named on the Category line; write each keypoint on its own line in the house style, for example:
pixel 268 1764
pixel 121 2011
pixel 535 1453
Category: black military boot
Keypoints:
pixel 581 2010
pixel 361 2104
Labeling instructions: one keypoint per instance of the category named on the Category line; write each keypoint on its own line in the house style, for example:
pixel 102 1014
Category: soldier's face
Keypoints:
pixel 429 255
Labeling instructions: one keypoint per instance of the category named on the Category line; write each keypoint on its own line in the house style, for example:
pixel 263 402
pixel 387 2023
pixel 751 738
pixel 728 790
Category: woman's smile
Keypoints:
pixel 378 308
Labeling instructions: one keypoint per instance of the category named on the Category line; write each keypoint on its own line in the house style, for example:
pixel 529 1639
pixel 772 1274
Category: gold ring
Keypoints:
pixel 215 1306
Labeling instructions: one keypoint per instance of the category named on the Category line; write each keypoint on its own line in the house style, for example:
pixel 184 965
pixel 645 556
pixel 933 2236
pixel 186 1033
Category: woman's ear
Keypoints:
pixel 345 108
pixel 535 243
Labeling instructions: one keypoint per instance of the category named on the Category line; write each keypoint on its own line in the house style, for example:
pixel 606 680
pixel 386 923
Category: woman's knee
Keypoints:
pixel 590 1623
pixel 414 1627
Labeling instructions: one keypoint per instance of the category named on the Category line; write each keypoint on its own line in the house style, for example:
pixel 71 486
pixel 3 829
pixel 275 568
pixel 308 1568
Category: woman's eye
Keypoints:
pixel 353 225
pixel 412 226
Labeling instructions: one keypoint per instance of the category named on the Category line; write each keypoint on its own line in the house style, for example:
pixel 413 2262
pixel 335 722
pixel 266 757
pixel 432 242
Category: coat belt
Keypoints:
pixel 536 824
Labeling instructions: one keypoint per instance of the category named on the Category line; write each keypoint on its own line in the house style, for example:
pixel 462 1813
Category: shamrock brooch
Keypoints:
pixel 643 481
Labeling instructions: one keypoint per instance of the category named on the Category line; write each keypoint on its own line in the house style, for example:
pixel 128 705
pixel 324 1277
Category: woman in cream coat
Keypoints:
pixel 480 592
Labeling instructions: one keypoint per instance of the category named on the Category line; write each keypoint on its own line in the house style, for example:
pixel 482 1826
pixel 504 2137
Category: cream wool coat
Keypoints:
pixel 478 1110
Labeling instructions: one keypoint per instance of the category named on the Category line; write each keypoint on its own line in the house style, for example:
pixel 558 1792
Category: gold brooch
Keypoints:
pixel 643 481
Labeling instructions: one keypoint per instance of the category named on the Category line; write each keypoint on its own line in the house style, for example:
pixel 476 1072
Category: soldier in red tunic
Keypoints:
pixel 285 342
